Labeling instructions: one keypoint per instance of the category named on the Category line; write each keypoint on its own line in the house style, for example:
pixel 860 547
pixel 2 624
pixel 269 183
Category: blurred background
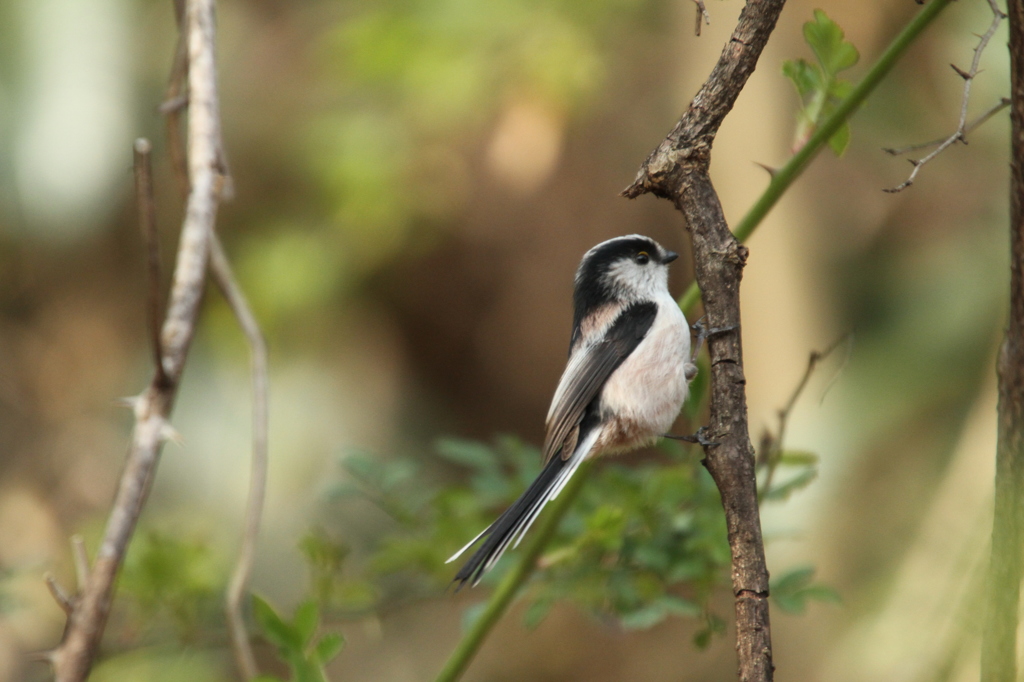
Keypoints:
pixel 416 181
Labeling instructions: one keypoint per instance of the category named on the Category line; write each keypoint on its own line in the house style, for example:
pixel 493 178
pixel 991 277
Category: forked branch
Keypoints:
pixel 74 656
pixel 678 170
pixel 962 127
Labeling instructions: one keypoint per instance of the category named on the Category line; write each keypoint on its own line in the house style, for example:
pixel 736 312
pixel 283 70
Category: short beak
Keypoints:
pixel 669 257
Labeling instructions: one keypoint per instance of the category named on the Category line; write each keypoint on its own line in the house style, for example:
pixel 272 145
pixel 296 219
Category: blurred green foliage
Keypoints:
pixel 819 85
pixel 171 582
pixel 296 640
pixel 643 543
pixel 407 90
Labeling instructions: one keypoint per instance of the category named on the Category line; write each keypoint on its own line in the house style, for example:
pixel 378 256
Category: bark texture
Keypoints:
pixel 678 170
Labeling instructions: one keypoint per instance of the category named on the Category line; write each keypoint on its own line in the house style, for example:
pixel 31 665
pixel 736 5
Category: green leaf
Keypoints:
pixel 644 618
pixel 801 480
pixel 328 647
pixel 793 590
pixel 274 628
pixel 805 76
pixel 679 606
pixel 468 453
pixel 841 140
pixel 537 612
pixel 307 617
pixel 819 85
pixel 798 458
pixel 826 40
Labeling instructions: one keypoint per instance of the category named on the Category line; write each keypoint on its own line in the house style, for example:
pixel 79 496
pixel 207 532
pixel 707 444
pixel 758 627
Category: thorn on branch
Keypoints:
pixel 770 169
pixel 963 74
pixel 962 127
pixel 173 105
pixel 64 601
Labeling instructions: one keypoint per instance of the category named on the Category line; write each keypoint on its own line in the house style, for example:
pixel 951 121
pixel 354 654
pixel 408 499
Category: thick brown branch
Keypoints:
pixel 999 641
pixel 962 128
pixel 678 170
pixel 690 139
pixel 74 656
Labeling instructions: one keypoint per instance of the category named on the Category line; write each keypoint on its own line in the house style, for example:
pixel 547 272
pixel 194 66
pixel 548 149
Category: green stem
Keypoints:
pixel 782 179
pixel 514 579
pixel 785 176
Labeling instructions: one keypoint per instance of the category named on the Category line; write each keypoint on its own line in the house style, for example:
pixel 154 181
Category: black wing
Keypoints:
pixel 589 368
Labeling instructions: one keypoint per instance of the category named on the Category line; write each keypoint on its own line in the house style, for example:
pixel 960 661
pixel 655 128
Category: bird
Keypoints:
pixel 625 382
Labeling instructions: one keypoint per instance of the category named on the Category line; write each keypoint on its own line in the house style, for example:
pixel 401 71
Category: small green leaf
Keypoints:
pixel 801 480
pixel 798 458
pixel 826 40
pixel 644 618
pixel 468 453
pixel 841 140
pixel 793 590
pixel 679 606
pixel 328 647
pixel 274 628
pixel 805 76
pixel 537 612
pixel 307 617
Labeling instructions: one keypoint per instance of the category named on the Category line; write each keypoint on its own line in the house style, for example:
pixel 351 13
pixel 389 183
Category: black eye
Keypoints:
pixel 642 258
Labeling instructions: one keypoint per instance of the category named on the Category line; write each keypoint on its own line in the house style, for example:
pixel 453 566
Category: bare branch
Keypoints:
pixel 772 446
pixel 962 128
pixel 147 221
pixel 702 14
pixel 971 127
pixel 238 587
pixel 64 601
pixel 678 170
pixel 74 656
pixel 81 560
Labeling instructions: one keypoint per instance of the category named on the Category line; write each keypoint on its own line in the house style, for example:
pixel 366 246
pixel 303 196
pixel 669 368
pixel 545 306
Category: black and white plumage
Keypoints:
pixel 627 377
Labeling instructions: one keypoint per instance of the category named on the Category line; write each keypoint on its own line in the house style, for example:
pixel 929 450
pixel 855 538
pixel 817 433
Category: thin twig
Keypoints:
pixel 702 14
pixel 81 559
pixel 64 601
pixel 971 127
pixel 238 587
pixel 960 134
pixel 73 658
pixel 147 222
pixel 772 446
pixel 174 105
pixel 175 102
pixel 784 176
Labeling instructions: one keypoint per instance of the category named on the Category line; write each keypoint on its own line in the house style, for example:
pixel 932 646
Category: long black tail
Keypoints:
pixel 516 519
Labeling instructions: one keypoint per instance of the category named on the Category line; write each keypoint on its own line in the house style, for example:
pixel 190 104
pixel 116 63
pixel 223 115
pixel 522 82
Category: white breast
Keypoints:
pixel 647 390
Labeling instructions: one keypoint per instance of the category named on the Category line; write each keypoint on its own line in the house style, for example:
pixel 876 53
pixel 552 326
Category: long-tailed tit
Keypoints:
pixel 627 377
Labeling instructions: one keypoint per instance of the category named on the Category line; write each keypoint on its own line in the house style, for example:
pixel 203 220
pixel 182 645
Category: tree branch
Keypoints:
pixel 678 170
pixel 999 637
pixel 238 587
pixel 783 177
pixel 514 579
pixel 73 658
pixel 960 134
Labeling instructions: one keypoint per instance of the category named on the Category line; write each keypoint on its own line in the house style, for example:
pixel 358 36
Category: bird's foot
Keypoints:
pixel 697 438
pixel 703 333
